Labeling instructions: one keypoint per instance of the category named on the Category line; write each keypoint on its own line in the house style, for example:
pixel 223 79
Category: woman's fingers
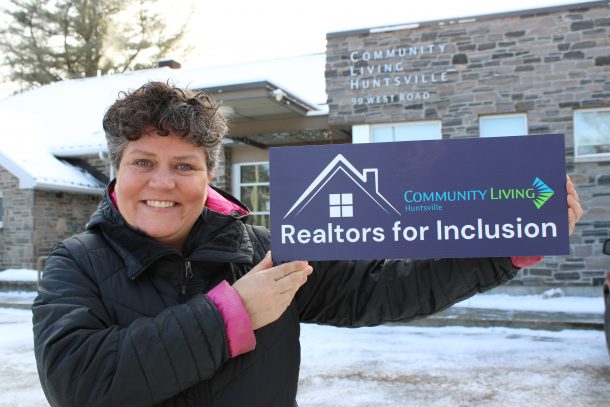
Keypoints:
pixel 286 269
pixel 267 291
pixel 575 210
pixel 264 264
pixel 293 281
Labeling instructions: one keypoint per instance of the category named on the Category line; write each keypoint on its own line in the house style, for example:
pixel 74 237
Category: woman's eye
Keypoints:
pixel 184 167
pixel 143 163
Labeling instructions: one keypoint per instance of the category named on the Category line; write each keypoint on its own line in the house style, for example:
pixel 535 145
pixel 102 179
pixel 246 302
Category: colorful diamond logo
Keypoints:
pixel 543 192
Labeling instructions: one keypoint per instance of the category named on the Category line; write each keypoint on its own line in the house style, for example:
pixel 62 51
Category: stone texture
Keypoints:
pixel 546 65
pixel 33 221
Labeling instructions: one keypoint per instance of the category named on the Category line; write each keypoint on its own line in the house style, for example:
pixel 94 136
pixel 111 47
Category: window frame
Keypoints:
pixel 236 184
pixel 504 116
pixel 393 126
pixel 1 210
pixel 364 133
pixel 587 157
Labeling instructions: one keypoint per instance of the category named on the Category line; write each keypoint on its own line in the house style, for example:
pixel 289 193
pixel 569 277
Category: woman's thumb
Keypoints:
pixel 265 263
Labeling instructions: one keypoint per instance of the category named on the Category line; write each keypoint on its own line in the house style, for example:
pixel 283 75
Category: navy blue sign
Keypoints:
pixel 477 197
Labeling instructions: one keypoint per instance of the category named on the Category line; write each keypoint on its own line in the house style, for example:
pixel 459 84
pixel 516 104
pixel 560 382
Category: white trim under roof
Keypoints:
pixel 79 182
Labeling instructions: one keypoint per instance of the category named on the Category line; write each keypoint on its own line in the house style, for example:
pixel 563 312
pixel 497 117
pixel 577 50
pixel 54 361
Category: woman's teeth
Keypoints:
pixel 160 204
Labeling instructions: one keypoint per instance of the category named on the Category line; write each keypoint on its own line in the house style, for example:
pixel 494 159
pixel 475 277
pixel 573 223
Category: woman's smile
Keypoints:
pixel 160 204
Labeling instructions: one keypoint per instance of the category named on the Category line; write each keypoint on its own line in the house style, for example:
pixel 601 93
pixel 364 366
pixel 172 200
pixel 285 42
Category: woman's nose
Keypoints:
pixel 162 179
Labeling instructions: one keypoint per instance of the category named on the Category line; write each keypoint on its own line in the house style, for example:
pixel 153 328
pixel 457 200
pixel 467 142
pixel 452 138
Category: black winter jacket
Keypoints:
pixel 122 320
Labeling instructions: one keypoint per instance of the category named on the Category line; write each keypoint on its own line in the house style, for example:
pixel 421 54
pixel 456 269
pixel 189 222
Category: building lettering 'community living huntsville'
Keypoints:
pixel 530 72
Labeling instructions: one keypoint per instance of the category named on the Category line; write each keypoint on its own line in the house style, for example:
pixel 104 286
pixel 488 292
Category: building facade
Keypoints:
pixel 534 72
pixel 514 74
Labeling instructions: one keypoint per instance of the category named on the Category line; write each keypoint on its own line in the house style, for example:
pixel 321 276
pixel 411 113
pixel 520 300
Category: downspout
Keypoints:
pixel 103 155
pixel 35 224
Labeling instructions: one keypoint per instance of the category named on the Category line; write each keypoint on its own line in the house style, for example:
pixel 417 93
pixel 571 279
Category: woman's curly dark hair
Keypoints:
pixel 193 115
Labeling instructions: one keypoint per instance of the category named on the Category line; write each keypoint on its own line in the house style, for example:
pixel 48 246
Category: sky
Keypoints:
pixel 246 30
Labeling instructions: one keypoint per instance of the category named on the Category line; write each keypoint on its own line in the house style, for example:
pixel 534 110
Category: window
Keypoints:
pixel 411 131
pixel 503 125
pixel 341 205
pixel 406 132
pixel 592 134
pixel 251 186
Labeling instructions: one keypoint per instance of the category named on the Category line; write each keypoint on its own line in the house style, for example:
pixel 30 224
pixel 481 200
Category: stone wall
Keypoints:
pixel 33 221
pixel 545 64
pixel 59 215
pixel 16 245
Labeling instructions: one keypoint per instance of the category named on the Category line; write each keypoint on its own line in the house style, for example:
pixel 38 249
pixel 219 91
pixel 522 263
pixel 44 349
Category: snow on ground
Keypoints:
pixel 23 298
pixel 452 366
pixel 19 275
pixel 19 385
pixel 397 365
pixel 594 305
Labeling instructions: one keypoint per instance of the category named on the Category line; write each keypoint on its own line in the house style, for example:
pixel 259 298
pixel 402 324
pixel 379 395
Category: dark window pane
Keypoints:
pixel 254 173
pixel 256 197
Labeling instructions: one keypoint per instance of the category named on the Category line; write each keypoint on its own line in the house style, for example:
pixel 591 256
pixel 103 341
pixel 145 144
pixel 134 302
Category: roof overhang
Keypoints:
pixel 469 19
pixel 78 150
pixel 310 130
pixel 28 180
pixel 78 189
pixel 257 101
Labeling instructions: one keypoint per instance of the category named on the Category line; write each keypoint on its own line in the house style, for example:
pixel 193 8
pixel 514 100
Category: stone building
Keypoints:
pixel 53 161
pixel 527 72
pixel 532 72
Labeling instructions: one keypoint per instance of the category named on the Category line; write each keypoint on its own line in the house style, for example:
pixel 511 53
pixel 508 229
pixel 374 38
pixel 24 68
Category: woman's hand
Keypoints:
pixel 266 291
pixel 574 208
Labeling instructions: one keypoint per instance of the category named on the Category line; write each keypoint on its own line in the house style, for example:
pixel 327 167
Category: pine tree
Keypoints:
pixel 52 40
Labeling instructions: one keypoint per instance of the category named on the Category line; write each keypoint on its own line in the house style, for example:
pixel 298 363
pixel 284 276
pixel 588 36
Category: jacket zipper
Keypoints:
pixel 188 274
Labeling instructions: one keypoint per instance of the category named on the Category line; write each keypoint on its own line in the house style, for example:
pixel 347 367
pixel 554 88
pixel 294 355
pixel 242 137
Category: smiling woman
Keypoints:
pixel 171 298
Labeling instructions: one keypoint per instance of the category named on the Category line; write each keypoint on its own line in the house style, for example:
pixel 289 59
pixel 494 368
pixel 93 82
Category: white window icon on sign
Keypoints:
pixel 341 205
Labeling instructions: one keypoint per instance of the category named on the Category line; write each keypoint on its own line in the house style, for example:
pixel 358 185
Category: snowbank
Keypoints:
pixel 19 275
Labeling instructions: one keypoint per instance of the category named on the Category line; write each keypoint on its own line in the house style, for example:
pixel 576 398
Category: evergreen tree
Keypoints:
pixel 51 40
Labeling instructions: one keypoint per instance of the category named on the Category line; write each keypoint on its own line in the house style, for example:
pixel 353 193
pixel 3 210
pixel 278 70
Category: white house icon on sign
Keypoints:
pixel 341 205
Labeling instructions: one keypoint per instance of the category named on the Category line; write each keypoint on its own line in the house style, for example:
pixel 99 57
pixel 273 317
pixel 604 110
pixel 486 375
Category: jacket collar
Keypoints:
pixel 214 237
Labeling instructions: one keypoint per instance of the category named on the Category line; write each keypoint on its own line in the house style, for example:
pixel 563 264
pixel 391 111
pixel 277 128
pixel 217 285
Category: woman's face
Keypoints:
pixel 161 186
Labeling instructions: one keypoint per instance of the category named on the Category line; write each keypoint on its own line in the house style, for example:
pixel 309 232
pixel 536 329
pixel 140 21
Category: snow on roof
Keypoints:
pixel 65 118
pixel 71 111
pixel 24 155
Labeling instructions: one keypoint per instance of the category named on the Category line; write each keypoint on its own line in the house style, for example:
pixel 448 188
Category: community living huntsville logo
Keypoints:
pixel 424 201
pixel 544 192
pixel 342 204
